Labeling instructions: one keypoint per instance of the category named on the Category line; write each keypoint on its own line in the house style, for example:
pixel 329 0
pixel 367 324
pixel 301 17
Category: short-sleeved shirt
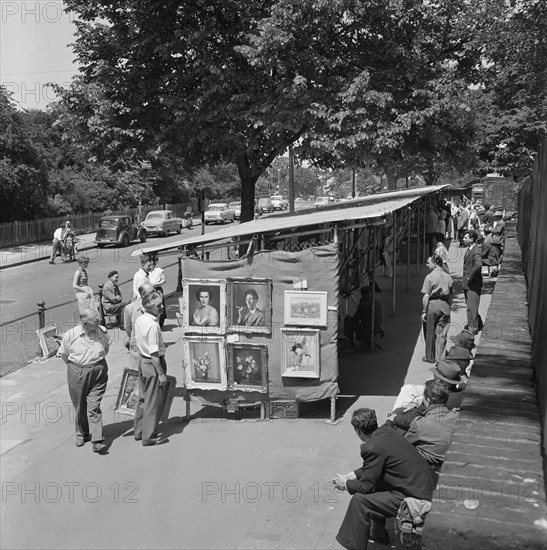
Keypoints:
pixel 85 350
pixel 155 276
pixel 438 284
pixel 148 335
pixel 139 279
pixel 58 233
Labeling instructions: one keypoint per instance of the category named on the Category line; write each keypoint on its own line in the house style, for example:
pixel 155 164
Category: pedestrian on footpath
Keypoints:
pixel 472 280
pixel 57 245
pixel 152 372
pixel 431 228
pixel 142 276
pixel 437 296
pixel 130 314
pixel 157 278
pixel 84 349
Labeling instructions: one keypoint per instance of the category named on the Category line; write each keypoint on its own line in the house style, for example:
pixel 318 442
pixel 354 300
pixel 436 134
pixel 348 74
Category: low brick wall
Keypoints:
pixel 491 492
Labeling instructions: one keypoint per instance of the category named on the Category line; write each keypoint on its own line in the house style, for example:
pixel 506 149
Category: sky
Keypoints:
pixel 34 49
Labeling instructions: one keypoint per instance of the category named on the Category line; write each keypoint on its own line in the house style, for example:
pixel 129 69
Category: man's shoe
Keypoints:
pixel 426 360
pixel 51 262
pixel 158 441
pixel 99 447
pixel 81 441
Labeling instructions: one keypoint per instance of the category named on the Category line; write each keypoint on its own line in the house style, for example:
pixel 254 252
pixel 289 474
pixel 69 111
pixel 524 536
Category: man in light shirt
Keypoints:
pixel 130 314
pixel 58 244
pixel 142 276
pixel 152 371
pixel 84 349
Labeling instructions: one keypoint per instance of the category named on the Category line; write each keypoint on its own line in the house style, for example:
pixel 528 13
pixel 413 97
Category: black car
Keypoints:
pixel 118 230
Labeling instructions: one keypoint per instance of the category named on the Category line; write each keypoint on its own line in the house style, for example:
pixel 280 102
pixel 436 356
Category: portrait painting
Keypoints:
pixel 204 362
pixel 203 306
pixel 300 353
pixel 247 367
pixel 305 308
pixel 249 304
pixel 128 395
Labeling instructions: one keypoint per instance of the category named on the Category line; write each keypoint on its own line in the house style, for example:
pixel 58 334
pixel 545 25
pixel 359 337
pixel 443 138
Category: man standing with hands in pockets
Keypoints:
pixel 152 371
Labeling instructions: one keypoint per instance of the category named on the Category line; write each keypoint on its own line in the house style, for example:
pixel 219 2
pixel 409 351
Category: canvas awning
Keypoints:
pixel 342 214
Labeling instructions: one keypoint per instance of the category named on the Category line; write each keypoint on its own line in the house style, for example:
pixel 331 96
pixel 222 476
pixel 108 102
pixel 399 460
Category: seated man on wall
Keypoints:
pixel 431 433
pixel 112 301
pixel 392 470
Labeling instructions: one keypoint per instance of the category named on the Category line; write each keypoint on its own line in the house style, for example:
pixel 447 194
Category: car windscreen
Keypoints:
pixel 108 223
pixel 154 217
pixel 234 205
pixel 216 208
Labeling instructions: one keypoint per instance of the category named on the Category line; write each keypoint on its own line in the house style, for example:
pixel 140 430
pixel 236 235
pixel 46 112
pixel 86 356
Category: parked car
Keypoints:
pixel 160 222
pixel 219 212
pixel 118 230
pixel 322 201
pixel 279 203
pixel 265 205
pixel 236 207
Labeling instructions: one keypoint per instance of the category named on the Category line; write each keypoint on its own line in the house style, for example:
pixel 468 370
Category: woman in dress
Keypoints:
pixel 205 315
pixel 84 293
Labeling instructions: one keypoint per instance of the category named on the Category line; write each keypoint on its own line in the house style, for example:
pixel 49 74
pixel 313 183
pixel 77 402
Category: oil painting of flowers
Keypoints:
pixel 247 367
pixel 204 362
pixel 300 353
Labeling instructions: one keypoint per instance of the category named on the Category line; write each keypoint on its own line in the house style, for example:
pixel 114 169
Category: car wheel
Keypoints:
pixel 142 237
pixel 179 230
pixel 125 241
pixel 100 245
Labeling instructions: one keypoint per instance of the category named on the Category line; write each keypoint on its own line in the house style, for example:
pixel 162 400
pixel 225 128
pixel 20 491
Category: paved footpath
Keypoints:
pixel 219 483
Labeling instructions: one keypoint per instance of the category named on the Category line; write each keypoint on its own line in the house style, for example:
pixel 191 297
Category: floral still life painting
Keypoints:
pixel 300 353
pixel 204 362
pixel 248 367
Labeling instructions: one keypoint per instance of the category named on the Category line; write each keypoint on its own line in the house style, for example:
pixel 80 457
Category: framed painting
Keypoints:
pixel 249 305
pixel 204 362
pixel 203 306
pixel 128 396
pixel 300 353
pixel 247 367
pixel 305 308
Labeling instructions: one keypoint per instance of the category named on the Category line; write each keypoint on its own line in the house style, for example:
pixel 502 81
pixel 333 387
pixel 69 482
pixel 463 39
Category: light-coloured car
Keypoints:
pixel 322 201
pixel 236 207
pixel 279 203
pixel 219 212
pixel 265 204
pixel 161 222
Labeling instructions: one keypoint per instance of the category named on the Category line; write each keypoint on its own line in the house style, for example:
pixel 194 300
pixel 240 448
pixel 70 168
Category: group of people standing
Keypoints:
pixel 85 347
pixel 64 243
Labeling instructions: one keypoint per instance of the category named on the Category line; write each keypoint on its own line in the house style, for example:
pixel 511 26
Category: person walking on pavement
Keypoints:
pixel 431 227
pixel 157 278
pixel 472 280
pixel 152 371
pixel 142 276
pixel 57 245
pixel 84 349
pixel 130 314
pixel 437 296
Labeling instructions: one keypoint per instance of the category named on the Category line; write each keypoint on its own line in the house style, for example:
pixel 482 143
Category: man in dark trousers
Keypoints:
pixel 152 371
pixel 472 280
pixel 84 349
pixel 112 300
pixel 392 470
pixel 437 296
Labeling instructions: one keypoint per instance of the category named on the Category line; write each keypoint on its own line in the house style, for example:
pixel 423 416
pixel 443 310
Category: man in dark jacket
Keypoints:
pixel 392 470
pixel 472 279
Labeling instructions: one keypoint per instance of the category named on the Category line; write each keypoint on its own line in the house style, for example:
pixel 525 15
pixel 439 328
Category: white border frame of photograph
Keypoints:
pixel 319 297
pixel 193 382
pixel 231 367
pixel 244 329
pixel 185 306
pixel 289 337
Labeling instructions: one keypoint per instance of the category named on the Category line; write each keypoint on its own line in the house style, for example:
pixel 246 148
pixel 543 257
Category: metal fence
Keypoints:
pixel 35 231
pixel 532 232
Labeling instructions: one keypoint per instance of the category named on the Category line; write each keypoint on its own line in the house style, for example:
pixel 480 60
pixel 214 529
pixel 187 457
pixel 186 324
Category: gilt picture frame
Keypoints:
pixel 203 306
pixel 204 362
pixel 300 353
pixel 247 367
pixel 305 308
pixel 249 305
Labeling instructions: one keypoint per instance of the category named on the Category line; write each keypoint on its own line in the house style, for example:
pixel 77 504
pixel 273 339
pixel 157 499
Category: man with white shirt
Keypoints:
pixel 130 315
pixel 152 371
pixel 57 244
pixel 142 276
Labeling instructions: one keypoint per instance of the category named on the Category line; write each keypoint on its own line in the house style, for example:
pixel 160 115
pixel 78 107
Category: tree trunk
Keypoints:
pixel 248 176
pixel 392 177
